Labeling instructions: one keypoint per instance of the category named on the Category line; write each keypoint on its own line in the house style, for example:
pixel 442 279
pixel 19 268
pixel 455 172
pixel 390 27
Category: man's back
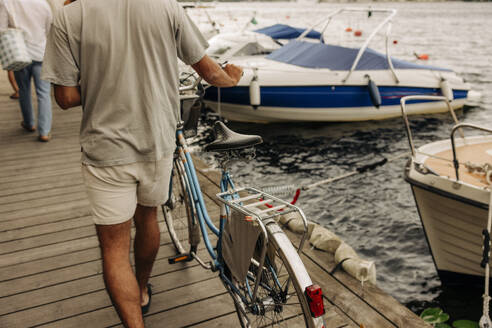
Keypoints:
pixel 125 53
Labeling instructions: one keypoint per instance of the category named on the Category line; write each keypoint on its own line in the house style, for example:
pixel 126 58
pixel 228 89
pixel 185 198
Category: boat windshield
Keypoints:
pixel 241 45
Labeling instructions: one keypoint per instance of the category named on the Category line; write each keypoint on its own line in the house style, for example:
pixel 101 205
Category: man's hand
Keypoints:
pixel 67 97
pixel 211 72
pixel 234 72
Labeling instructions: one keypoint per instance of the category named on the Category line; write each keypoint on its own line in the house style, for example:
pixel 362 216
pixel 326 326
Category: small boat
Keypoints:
pixel 451 181
pixel 308 79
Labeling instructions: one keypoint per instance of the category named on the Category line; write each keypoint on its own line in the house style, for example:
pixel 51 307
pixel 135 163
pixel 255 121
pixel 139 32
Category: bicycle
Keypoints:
pixel 256 262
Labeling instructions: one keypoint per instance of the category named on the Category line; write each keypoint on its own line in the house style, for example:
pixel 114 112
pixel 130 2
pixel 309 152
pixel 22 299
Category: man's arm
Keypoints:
pixel 211 72
pixel 67 97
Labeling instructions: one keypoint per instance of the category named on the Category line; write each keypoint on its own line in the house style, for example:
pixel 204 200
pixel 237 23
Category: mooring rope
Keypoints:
pixel 485 319
pixel 359 170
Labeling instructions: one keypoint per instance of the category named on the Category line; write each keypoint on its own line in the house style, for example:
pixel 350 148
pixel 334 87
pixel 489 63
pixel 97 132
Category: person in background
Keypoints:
pixel 11 76
pixel 34 18
pixel 119 60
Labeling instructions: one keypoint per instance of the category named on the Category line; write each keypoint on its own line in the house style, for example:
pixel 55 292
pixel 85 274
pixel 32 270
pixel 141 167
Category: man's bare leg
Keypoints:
pixel 118 274
pixel 146 246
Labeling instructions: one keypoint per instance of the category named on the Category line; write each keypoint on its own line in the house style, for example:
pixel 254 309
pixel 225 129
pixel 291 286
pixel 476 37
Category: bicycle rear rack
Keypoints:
pixel 262 206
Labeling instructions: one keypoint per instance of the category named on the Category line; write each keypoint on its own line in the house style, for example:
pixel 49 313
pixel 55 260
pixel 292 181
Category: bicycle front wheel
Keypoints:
pixel 178 210
pixel 280 300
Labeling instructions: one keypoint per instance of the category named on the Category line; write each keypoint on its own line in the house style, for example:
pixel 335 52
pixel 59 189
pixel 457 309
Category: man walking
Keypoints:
pixel 34 18
pixel 118 59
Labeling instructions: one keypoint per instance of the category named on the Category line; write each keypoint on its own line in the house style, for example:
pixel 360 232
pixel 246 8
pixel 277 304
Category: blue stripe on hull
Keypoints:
pixel 323 96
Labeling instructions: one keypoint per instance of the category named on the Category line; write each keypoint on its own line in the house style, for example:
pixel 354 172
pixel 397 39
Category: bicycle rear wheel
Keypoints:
pixel 280 300
pixel 178 210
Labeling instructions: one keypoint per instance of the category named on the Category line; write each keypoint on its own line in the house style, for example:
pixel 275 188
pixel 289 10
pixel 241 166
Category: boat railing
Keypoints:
pixel 403 102
pixel 386 21
pixel 458 126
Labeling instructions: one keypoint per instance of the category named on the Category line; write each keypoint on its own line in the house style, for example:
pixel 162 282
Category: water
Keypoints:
pixel 374 212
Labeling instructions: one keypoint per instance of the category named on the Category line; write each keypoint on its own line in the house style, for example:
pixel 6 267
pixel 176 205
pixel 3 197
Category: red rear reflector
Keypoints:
pixel 314 297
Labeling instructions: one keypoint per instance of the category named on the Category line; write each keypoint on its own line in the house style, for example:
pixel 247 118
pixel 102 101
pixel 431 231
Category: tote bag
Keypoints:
pixel 13 50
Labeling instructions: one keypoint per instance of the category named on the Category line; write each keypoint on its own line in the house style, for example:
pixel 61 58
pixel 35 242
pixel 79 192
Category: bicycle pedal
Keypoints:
pixel 180 258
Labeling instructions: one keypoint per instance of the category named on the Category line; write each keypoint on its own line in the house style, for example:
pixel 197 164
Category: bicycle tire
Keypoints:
pixel 178 210
pixel 291 312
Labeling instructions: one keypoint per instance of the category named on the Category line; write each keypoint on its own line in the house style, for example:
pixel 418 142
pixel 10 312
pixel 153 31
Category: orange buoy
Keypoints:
pixel 348 29
pixel 421 56
pixel 395 41
pixel 358 33
pixel 287 16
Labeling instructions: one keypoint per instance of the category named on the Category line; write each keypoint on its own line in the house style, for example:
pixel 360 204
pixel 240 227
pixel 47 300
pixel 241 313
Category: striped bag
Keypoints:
pixel 13 51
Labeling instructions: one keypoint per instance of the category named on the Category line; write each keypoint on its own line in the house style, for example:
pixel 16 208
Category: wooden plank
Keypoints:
pixel 211 306
pixel 43 251
pixel 32 269
pixel 171 299
pixel 70 211
pixel 60 171
pixel 75 281
pixel 10 274
pixel 39 170
pixel 36 204
pixel 41 183
pixel 43 229
pixel 35 157
pixel 71 202
pixel 41 240
pixel 98 298
pixel 48 251
pixel 47 161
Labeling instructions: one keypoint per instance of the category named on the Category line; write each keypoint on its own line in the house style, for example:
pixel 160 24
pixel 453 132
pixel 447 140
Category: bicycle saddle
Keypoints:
pixel 226 139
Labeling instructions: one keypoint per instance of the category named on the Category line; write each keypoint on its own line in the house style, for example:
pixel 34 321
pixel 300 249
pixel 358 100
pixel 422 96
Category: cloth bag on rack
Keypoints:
pixel 13 51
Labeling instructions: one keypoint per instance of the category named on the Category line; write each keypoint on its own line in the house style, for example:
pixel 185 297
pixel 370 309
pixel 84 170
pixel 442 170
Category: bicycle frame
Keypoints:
pixel 194 193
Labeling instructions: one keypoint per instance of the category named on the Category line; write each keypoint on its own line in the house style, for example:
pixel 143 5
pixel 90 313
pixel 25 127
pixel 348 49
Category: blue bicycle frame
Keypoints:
pixel 195 194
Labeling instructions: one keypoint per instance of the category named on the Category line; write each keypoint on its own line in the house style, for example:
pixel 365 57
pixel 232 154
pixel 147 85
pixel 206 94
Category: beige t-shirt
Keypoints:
pixel 123 54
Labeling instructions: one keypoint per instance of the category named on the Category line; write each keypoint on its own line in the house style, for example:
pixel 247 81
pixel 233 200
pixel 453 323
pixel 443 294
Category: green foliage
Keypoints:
pixel 437 318
pixel 465 324
pixel 442 325
pixel 434 316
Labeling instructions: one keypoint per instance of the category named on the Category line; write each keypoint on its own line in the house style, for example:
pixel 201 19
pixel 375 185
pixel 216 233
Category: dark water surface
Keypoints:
pixel 375 212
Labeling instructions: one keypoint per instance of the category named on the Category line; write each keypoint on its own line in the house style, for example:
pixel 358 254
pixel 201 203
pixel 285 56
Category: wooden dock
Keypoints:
pixel 50 268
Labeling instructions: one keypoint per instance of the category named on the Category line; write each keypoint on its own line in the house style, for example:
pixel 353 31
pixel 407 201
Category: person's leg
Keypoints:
pixel 118 274
pixel 23 79
pixel 146 246
pixel 14 85
pixel 43 92
pixel 112 196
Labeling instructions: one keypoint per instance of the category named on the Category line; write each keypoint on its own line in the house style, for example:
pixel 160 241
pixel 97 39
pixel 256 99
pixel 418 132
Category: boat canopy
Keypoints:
pixel 337 58
pixel 282 31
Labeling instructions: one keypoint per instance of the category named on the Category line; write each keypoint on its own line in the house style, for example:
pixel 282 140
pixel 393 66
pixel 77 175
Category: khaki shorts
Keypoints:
pixel 114 191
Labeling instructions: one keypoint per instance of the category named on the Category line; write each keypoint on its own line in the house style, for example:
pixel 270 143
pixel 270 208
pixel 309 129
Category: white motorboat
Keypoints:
pixel 308 79
pixel 451 181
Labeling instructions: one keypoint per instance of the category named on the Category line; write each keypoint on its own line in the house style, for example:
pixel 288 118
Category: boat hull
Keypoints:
pixel 322 103
pixel 453 216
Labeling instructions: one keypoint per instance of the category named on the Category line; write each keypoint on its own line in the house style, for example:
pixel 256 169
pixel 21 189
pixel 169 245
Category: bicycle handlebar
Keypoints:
pixel 190 87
